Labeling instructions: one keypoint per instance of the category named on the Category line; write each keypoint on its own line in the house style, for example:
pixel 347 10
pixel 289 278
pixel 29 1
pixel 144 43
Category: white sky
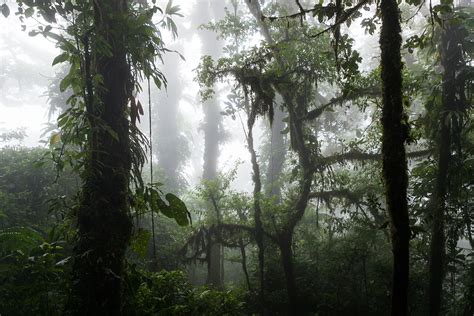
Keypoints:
pixel 28 108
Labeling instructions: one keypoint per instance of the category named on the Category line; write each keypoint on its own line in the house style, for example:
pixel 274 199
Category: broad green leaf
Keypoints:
pixel 29 12
pixel 175 209
pixel 33 33
pixel 5 10
pixel 169 6
pixel 55 138
pixel 60 58
pixel 65 83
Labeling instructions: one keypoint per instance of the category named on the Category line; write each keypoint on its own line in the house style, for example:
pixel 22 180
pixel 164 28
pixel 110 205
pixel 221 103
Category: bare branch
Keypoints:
pixel 355 155
pixel 341 193
pixel 363 92
pixel 343 18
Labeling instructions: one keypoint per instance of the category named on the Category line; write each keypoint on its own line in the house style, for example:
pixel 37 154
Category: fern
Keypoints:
pixel 19 238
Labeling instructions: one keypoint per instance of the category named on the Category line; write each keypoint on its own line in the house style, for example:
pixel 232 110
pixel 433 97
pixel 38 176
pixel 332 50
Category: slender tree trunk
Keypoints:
pixel 299 145
pixel 171 147
pixel 243 254
pixel 286 235
pixel 277 156
pixel 285 242
pixel 206 11
pixel 257 191
pixel 469 306
pixel 394 136
pixel 243 218
pixel 451 56
pixel 103 217
pixel 212 119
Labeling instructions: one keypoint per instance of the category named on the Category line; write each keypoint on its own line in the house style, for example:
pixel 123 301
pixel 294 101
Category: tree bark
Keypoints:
pixel 285 241
pixel 298 144
pixel 212 134
pixel 394 161
pixel 171 146
pixel 104 224
pixel 277 155
pixel 451 56
pixel 257 191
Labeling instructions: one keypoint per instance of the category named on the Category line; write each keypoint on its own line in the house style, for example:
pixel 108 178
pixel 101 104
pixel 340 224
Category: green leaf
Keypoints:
pixel 5 10
pixel 157 82
pixel 174 10
pixel 140 242
pixel 19 238
pixel 169 6
pixel 175 209
pixel 111 132
pixel 55 138
pixel 29 12
pixel 65 83
pixel 33 33
pixel 60 58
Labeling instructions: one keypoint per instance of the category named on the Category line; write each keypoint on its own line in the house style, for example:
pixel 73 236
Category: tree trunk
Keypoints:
pixel 296 125
pixel 212 135
pixel 469 298
pixel 212 119
pixel 104 224
pixel 451 56
pixel 277 155
pixel 395 132
pixel 243 254
pixel 257 215
pixel 171 146
pixel 284 243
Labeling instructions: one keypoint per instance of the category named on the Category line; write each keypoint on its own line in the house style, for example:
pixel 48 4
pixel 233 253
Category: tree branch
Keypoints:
pixel 344 17
pixel 363 92
pixel 355 155
pixel 341 193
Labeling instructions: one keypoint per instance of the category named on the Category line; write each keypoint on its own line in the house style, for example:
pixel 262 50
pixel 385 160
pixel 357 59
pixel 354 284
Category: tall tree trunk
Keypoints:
pixel 298 144
pixel 103 217
pixel 395 132
pixel 285 236
pixel 212 134
pixel 257 215
pixel 277 155
pixel 285 244
pixel 212 119
pixel 451 56
pixel 171 147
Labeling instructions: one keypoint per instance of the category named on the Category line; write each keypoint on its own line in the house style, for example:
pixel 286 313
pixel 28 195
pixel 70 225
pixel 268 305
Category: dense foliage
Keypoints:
pixel 335 220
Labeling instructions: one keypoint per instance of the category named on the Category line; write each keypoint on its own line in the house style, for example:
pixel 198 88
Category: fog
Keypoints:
pixel 304 157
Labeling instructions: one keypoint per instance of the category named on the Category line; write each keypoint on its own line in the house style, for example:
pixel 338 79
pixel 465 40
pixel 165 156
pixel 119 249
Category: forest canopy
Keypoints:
pixel 236 157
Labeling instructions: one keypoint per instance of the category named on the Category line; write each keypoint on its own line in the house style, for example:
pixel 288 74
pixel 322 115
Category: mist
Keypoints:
pixel 236 157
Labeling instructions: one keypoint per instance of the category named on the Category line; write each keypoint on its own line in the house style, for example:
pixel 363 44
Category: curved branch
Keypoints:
pixel 353 95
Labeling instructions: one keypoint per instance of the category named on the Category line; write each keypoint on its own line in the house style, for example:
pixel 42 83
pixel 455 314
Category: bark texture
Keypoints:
pixel 451 58
pixel 395 132
pixel 277 156
pixel 104 224
pixel 257 191
pixel 296 123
